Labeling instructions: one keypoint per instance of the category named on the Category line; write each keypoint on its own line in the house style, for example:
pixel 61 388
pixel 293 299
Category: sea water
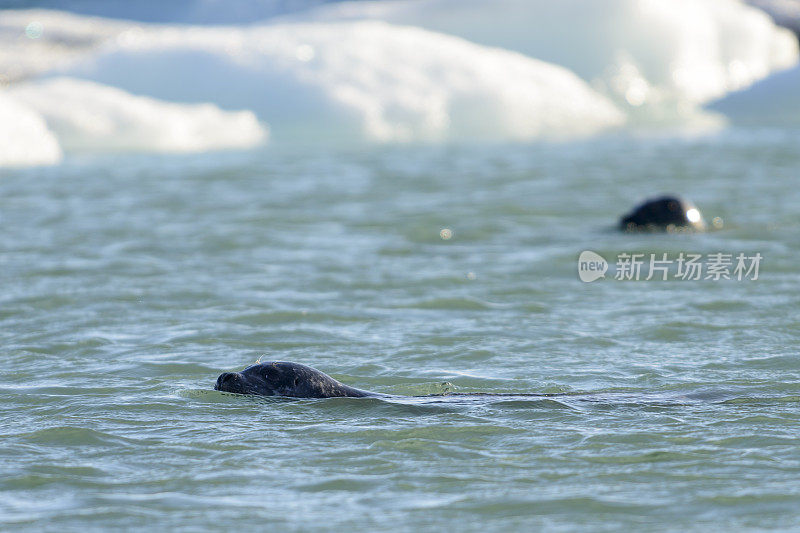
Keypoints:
pixel 131 281
pixel 407 192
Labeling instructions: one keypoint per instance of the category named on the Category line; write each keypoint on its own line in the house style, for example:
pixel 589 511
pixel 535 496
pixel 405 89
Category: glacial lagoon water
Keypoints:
pixel 130 282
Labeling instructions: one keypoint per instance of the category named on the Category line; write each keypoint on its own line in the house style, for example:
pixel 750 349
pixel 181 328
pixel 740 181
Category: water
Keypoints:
pixel 131 282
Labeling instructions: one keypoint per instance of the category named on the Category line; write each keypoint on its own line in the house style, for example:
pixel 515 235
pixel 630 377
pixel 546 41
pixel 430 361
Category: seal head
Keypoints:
pixel 665 213
pixel 280 378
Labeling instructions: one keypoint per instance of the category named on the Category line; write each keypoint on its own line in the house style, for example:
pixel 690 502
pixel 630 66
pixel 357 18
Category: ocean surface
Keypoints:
pixel 131 281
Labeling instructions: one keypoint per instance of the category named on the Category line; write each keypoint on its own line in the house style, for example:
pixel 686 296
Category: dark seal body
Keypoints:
pixel 665 213
pixel 279 378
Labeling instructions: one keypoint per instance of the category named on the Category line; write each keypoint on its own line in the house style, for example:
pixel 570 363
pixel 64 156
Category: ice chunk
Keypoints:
pixel 87 116
pixel 25 139
pixel 356 81
pixel 645 52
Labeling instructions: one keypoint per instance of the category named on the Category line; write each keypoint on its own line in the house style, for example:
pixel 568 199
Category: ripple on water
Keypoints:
pixel 131 282
pixel 74 436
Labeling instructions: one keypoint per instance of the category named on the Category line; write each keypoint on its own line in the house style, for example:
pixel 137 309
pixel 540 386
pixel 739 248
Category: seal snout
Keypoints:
pixel 224 379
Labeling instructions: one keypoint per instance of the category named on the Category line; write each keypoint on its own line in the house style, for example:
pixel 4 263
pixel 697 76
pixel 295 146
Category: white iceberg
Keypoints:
pixel 356 81
pixel 391 71
pixel 87 116
pixel 25 139
pixel 334 82
pixel 644 52
pixel 34 41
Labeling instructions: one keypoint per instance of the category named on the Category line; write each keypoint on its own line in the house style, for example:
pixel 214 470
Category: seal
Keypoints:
pixel 281 378
pixel 664 213
pixel 293 380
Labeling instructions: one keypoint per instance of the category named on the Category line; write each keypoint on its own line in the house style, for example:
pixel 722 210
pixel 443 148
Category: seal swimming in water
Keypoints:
pixel 665 213
pixel 281 378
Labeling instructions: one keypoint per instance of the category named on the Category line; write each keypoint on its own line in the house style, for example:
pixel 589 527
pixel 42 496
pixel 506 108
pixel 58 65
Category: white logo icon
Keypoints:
pixel 591 266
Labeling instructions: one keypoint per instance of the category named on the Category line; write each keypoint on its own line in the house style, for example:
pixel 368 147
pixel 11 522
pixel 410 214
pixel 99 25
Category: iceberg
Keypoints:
pixel 87 116
pixel 25 139
pixel 359 81
pixel 35 41
pixel 669 53
pixel 362 81
pixel 389 71
pixel 180 11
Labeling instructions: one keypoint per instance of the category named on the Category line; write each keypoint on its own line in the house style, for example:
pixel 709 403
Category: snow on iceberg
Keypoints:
pixel 643 52
pixel 362 81
pixel 86 116
pixel 25 139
